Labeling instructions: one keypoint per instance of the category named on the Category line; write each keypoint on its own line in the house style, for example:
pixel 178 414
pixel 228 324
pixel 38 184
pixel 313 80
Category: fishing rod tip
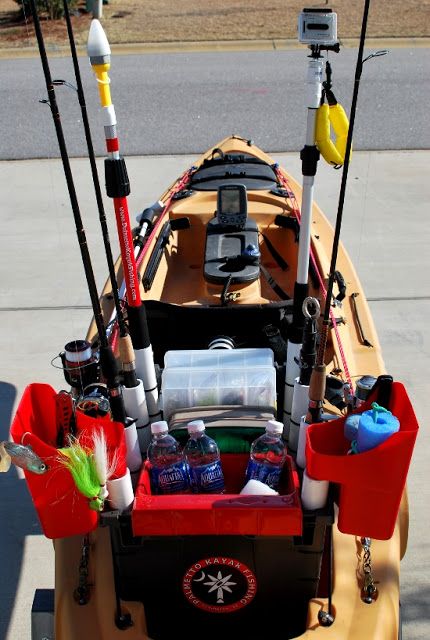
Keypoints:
pixel 98 47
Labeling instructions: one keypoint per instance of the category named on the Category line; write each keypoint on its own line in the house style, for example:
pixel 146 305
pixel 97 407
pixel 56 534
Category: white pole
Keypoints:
pixel 309 156
pixel 313 99
pixel 97 8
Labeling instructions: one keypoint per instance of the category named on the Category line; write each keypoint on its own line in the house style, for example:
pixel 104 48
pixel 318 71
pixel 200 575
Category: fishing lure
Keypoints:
pixel 90 469
pixel 22 456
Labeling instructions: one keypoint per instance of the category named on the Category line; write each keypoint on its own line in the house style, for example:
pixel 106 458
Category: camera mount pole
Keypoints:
pixel 309 156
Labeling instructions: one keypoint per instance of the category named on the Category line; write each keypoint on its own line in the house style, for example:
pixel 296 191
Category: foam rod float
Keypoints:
pixel 331 115
pixel 108 363
pixel 118 188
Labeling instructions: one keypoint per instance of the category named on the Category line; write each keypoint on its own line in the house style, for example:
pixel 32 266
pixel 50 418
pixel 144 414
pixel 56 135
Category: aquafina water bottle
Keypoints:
pixel 168 469
pixel 268 453
pixel 203 458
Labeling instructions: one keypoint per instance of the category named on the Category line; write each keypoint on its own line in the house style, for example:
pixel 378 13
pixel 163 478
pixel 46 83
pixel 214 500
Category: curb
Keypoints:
pixel 211 46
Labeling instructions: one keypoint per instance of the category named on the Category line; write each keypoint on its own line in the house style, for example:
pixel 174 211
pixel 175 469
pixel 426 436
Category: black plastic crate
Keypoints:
pixel 220 586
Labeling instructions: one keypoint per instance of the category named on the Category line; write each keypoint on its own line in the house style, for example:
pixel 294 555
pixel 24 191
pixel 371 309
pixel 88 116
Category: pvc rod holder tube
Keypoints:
pixel 292 371
pixel 134 457
pixel 299 408
pixel 120 491
pixel 301 446
pixel 146 372
pixel 135 404
pixel 314 492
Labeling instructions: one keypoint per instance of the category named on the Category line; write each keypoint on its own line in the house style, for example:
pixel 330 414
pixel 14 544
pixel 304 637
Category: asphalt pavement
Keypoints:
pixel 176 102
pixel 44 304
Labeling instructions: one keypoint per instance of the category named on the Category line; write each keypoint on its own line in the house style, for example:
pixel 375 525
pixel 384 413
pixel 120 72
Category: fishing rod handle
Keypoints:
pixel 127 359
pixel 316 393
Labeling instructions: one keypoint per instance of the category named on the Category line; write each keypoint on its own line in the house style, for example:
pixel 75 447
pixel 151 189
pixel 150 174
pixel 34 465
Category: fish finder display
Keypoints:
pixel 232 205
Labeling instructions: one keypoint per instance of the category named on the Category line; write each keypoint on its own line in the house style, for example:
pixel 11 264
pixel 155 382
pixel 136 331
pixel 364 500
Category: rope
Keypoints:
pixel 296 212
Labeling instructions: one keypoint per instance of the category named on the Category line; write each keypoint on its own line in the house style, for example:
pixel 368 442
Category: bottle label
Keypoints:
pixel 267 473
pixel 173 479
pixel 207 478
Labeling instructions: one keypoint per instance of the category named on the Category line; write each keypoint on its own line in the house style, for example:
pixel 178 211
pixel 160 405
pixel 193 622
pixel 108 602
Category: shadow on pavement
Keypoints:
pixel 19 518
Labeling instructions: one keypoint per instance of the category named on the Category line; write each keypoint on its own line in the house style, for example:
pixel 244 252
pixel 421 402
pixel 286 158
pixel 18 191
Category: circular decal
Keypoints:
pixel 219 585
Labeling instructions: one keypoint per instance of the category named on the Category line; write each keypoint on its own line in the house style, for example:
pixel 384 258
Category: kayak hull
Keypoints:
pixel 181 293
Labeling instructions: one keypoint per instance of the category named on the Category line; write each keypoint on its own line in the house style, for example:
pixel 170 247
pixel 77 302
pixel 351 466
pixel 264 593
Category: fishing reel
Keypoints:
pixel 94 401
pixel 80 364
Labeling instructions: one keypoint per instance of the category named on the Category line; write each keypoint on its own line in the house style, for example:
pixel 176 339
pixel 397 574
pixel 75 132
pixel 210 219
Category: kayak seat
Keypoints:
pixel 166 323
pixel 226 255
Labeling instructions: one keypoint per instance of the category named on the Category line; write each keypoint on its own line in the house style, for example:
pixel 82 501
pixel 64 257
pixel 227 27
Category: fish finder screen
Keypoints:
pixel 232 205
pixel 230 201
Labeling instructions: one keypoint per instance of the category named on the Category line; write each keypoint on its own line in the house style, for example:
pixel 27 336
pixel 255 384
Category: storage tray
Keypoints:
pixel 220 514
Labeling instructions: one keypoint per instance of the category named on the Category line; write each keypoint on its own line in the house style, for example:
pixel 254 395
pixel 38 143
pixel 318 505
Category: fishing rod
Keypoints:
pixel 146 223
pixel 134 397
pixel 107 360
pixel 146 231
pixel 118 188
pixel 318 378
pixel 129 373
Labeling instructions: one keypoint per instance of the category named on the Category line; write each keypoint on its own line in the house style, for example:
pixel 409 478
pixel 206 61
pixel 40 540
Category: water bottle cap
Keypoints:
pixel 273 426
pixel 196 426
pixel 159 427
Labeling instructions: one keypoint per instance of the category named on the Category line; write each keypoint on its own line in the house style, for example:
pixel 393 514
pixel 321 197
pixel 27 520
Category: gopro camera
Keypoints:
pixel 318 27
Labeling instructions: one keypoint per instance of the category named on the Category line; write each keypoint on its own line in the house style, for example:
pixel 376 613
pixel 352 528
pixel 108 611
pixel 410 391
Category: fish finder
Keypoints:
pixel 318 27
pixel 232 205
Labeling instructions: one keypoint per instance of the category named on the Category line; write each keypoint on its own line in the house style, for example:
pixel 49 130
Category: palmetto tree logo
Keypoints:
pixel 219 584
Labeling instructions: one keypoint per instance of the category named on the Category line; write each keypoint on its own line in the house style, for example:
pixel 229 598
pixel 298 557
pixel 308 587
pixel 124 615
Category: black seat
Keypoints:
pixel 225 253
